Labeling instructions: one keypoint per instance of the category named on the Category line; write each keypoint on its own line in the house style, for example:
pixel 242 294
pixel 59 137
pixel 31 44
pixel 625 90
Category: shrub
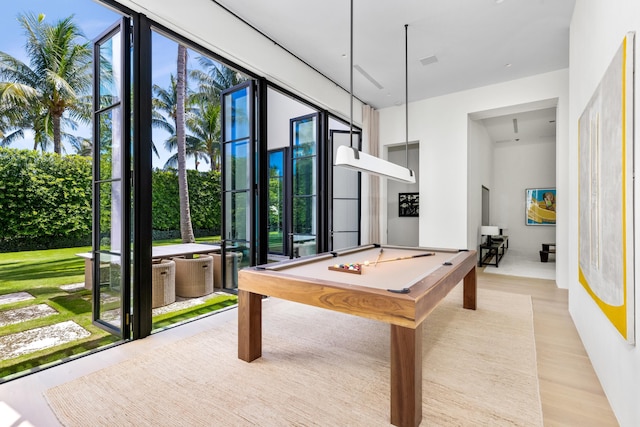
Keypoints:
pixel 45 201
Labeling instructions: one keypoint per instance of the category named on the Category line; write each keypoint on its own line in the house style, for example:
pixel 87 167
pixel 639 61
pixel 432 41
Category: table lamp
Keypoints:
pixel 489 230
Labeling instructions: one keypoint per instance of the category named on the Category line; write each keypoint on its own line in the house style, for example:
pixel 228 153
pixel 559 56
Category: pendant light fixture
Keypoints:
pixel 349 157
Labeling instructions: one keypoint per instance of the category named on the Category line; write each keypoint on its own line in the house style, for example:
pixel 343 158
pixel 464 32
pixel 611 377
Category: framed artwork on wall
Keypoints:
pixel 409 204
pixel 605 193
pixel 540 206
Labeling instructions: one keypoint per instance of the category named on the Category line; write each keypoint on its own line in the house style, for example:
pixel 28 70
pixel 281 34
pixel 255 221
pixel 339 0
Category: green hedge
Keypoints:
pixel 204 200
pixel 45 201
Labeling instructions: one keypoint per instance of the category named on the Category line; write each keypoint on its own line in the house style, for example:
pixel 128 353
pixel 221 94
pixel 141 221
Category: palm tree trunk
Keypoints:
pixel 186 230
pixel 57 135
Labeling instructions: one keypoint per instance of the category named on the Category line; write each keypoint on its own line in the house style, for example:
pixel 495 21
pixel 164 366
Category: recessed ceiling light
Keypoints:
pixel 499 1
pixel 508 65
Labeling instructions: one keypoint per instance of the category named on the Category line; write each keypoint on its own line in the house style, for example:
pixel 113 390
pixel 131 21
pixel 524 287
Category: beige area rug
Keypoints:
pixel 321 368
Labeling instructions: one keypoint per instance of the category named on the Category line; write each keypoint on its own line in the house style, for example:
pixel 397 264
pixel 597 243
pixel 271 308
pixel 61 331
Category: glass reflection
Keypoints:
pixel 110 286
pixel 237 170
pixel 110 77
pixel 304 137
pixel 237 222
pixel 237 112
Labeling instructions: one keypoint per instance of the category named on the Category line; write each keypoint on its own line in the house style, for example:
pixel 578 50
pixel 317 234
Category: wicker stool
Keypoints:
pixel 163 280
pixel 194 276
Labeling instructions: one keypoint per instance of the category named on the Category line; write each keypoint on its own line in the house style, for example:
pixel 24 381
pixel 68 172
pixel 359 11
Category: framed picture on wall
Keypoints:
pixel 409 204
pixel 540 206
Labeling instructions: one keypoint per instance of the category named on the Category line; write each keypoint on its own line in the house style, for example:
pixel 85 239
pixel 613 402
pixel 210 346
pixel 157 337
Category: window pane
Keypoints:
pixel 345 182
pixel 304 137
pixel 276 202
pixel 110 299
pixel 304 215
pixel 304 176
pixel 110 67
pixel 345 215
pixel 237 115
pixel 345 240
pixel 237 220
pixel 110 224
pixel 236 162
pixel 110 147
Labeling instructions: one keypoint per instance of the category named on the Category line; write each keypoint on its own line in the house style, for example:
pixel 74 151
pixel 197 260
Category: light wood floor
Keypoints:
pixel 571 393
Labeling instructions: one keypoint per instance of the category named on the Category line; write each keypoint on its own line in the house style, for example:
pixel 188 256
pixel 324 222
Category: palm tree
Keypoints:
pixel 165 101
pixel 186 229
pixel 55 87
pixel 194 147
pixel 12 101
pixel 214 78
pixel 205 127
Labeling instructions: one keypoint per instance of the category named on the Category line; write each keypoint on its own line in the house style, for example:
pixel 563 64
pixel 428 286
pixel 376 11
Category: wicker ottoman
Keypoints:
pixel 194 276
pixel 163 280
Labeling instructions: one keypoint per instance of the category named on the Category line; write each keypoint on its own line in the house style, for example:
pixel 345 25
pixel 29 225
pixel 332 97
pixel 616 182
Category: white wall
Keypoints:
pixel 441 125
pixel 479 173
pixel 518 166
pixel 281 110
pixel 403 231
pixel 597 30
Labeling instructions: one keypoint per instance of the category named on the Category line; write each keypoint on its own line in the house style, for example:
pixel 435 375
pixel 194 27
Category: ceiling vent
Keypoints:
pixel 368 76
pixel 429 60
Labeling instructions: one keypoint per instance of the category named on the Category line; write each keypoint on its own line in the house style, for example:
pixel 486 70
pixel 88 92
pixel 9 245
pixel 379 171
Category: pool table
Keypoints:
pixel 396 285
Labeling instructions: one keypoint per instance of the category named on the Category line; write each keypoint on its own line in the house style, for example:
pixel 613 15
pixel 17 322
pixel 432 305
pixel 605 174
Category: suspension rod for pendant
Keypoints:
pixel 406 95
pixel 351 79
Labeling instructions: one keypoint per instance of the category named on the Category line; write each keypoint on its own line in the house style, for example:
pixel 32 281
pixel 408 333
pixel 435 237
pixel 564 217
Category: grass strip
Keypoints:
pixel 213 304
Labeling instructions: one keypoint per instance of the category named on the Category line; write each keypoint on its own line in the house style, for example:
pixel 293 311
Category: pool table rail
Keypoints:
pixel 401 309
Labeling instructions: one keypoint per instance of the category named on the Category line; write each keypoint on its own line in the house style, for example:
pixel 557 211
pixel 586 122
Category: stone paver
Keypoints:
pixel 15 297
pixel 73 287
pixel 21 343
pixel 11 317
pixel 184 303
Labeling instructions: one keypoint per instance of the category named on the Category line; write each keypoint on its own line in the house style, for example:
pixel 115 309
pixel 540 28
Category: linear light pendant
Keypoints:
pixel 349 157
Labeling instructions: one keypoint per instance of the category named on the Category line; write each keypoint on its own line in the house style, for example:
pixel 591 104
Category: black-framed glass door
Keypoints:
pixel 111 244
pixel 277 202
pixel 345 210
pixel 238 177
pixel 304 212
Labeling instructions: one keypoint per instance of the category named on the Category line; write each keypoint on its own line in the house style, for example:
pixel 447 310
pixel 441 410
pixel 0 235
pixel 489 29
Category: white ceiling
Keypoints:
pixel 473 41
pixel 529 126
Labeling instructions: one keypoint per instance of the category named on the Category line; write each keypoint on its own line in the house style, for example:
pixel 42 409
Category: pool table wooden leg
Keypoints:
pixel 406 376
pixel 249 326
pixel 469 298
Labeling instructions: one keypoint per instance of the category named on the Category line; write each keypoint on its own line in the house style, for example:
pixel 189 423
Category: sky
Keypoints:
pixel 92 18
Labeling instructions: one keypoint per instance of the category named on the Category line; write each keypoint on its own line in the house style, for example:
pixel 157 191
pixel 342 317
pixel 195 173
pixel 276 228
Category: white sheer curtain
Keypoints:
pixel 370 136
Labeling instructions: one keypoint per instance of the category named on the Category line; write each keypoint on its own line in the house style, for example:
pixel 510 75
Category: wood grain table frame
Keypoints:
pixel 405 312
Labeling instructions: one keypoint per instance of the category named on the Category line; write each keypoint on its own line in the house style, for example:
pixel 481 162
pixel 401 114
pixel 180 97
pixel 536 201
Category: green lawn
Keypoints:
pixel 41 273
